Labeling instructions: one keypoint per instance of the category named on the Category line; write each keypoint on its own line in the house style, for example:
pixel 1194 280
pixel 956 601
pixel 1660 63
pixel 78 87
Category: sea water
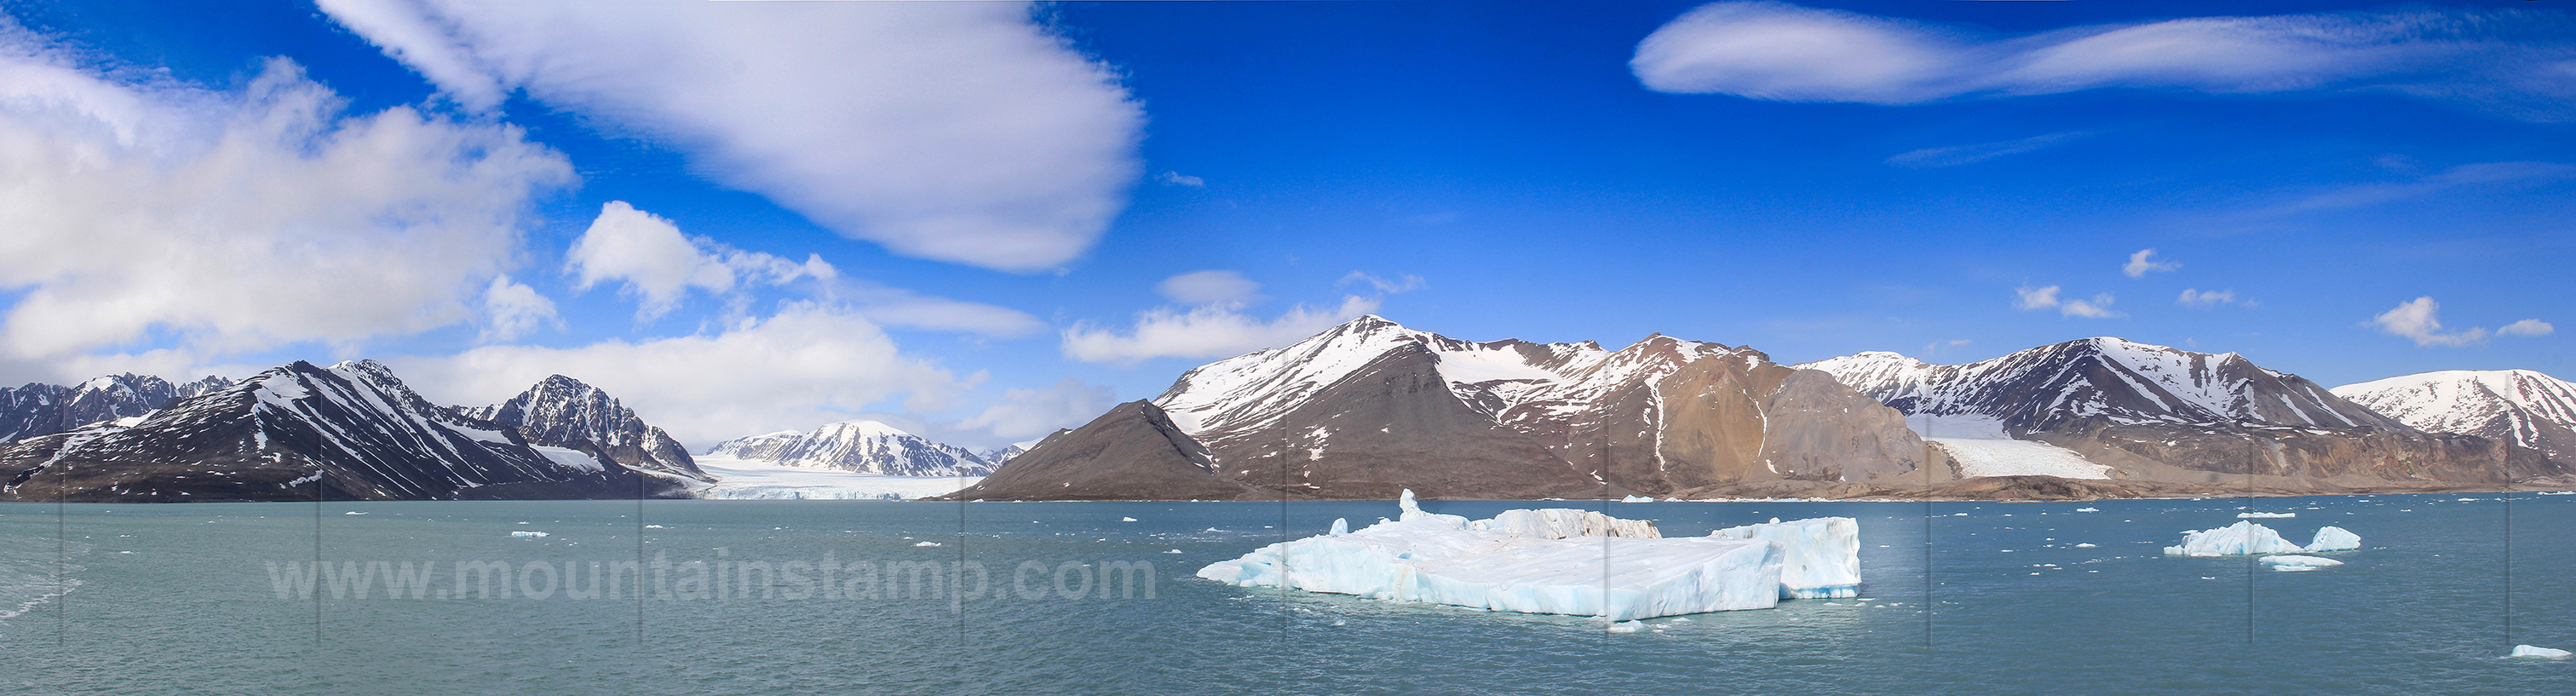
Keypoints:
pixel 1025 598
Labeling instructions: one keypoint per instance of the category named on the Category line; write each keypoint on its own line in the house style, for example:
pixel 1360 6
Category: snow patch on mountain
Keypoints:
pixel 2524 407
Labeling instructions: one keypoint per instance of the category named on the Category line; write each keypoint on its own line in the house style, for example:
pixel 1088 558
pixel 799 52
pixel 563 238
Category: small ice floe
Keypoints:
pixel 925 544
pixel 523 523
pixel 1173 551
pixel 2297 563
pixel 653 526
pixel 1126 519
pixel 2087 510
pixel 1626 626
pixel 2538 652
pixel 2265 515
pixel 353 512
pixel 2084 546
pixel 530 535
pixel 126 552
pixel 1962 514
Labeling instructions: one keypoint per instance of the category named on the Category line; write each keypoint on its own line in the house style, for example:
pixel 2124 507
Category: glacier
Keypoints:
pixel 1560 561
pixel 2247 539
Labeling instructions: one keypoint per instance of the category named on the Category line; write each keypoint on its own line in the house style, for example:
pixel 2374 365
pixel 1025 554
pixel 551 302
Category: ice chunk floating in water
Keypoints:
pixel 2334 539
pixel 2247 538
pixel 2539 652
pixel 529 535
pixel 1552 562
pixel 2297 563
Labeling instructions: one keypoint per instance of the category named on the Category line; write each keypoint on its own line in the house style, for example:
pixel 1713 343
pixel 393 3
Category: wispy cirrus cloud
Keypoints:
pixel 964 132
pixel 1955 155
pixel 2515 63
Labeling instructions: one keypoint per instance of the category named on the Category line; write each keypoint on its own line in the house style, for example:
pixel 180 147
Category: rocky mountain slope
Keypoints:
pixel 352 431
pixel 2523 407
pixel 563 412
pixel 45 409
pixel 1369 408
pixel 857 446
pixel 2153 413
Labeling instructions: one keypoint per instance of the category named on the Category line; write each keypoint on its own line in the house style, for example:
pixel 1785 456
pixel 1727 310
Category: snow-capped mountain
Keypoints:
pixel 2138 411
pixel 860 446
pixel 351 431
pixel 2049 387
pixel 563 412
pixel 1370 407
pixel 2523 407
pixel 45 409
pixel 999 455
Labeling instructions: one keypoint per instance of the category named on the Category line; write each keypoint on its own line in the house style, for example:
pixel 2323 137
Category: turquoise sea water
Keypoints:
pixel 187 599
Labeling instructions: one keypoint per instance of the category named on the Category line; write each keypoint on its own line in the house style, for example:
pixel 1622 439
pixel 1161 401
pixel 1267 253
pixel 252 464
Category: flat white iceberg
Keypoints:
pixel 2265 515
pixel 529 535
pixel 2240 539
pixel 2539 652
pixel 2334 539
pixel 1554 561
pixel 2297 563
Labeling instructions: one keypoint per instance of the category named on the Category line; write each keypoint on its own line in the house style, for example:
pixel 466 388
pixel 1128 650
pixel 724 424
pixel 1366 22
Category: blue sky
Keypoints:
pixel 983 221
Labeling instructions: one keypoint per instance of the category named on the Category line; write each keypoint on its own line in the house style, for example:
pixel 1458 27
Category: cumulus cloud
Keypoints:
pixel 2144 262
pixel 2508 62
pixel 2526 327
pixel 2420 319
pixel 962 132
pixel 2204 299
pixel 1955 155
pixel 1208 331
pixel 809 363
pixel 2033 299
pixel 1209 287
pixel 233 220
pixel 649 256
pixel 1028 413
pixel 511 309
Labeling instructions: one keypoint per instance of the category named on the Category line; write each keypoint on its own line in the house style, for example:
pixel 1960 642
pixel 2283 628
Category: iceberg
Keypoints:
pixel 530 535
pixel 2240 539
pixel 1559 561
pixel 2334 539
pixel 2265 515
pixel 2539 652
pixel 1820 559
pixel 2297 563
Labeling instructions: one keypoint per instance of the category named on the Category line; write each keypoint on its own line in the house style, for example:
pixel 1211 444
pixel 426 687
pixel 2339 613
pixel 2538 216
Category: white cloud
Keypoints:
pixel 224 221
pixel 1209 331
pixel 2143 262
pixel 2502 61
pixel 2526 327
pixel 1029 413
pixel 1180 179
pixel 2205 299
pixel 1209 287
pixel 2096 307
pixel 2419 319
pixel 810 363
pixel 2486 176
pixel 1955 155
pixel 963 132
pixel 511 309
pixel 1403 283
pixel 653 260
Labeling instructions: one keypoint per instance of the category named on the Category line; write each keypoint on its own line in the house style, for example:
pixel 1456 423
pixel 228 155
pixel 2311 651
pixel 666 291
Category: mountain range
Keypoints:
pixel 351 431
pixel 1369 407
